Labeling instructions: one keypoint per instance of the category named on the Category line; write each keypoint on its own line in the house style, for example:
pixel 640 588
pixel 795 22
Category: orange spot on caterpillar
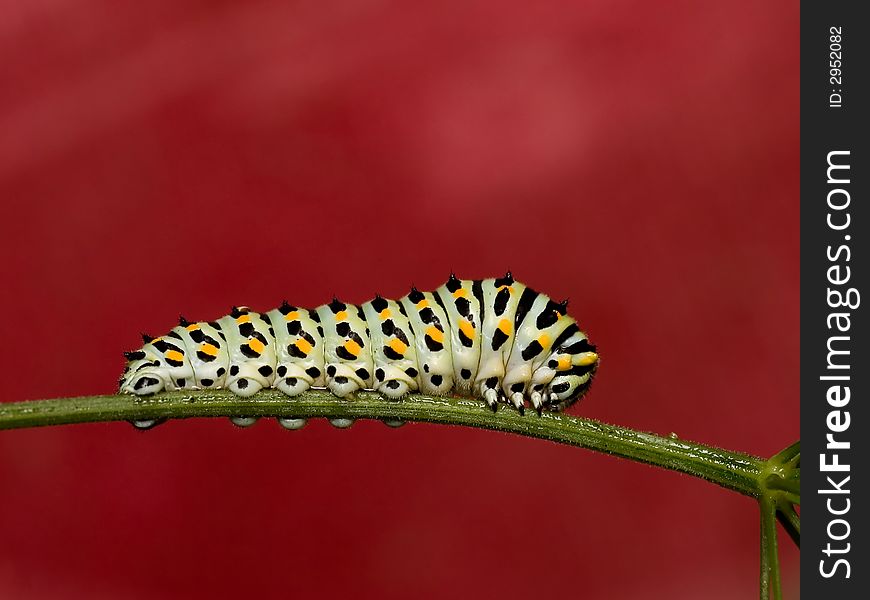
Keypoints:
pixel 398 346
pixel 256 345
pixel 467 328
pixel 209 349
pixel 352 347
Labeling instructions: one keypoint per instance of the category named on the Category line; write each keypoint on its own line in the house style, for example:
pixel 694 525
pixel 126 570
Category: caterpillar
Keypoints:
pixel 494 339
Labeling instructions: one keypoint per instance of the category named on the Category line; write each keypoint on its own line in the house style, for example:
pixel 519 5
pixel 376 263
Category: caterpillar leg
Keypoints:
pixel 144 384
pixel 342 380
pixel 492 390
pixel 489 391
pixel 393 382
pixel 248 378
pixel 292 379
pixel 144 375
pixel 537 400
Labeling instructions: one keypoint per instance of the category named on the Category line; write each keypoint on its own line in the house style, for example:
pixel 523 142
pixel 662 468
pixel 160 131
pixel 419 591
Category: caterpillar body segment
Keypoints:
pixel 251 348
pixel 298 349
pixel 393 348
pixel 462 308
pixel 495 339
pixel 347 355
pixel 430 330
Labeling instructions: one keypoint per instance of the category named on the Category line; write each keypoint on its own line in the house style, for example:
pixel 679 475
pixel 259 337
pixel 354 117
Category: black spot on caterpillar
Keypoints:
pixel 495 339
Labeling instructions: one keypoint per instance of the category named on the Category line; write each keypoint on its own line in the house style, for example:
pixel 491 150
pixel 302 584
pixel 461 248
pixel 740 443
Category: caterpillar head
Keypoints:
pixel 564 377
pixel 567 387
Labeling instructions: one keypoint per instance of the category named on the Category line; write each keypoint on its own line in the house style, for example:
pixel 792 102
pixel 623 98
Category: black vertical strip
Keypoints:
pixel 363 338
pixel 189 350
pixel 371 326
pixel 448 330
pixel 835 225
pixel 477 291
pixel 525 304
pixel 320 333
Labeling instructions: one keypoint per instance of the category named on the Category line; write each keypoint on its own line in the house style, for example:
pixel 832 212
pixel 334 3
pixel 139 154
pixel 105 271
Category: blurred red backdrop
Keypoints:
pixel 640 158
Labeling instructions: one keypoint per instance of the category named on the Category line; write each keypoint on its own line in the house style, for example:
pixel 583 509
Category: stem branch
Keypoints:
pixel 732 470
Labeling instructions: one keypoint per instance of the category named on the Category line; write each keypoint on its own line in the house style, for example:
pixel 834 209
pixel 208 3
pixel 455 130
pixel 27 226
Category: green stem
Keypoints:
pixel 790 485
pixel 770 580
pixel 791 522
pixel 733 470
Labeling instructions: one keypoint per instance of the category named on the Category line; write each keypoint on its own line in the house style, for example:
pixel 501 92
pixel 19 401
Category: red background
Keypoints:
pixel 164 157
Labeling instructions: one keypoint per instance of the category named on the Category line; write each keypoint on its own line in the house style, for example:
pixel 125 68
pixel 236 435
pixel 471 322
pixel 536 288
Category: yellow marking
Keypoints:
pixel 508 288
pixel 385 314
pixel 341 315
pixel 352 347
pixel 564 363
pixel 398 346
pixel 155 340
pixel 460 293
pixel 544 340
pixel 435 333
pixel 422 304
pixel 467 328
pixel 590 358
pixel 505 326
pixel 558 314
pixel 292 315
pixel 256 345
pixel 243 319
pixel 174 355
pixel 193 327
pixel 303 345
pixel 209 349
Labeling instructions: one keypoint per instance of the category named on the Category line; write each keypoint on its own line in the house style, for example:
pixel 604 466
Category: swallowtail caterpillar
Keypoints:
pixel 494 339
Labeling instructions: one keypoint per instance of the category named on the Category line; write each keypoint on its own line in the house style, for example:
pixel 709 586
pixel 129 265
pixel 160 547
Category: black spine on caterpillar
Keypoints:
pixel 494 338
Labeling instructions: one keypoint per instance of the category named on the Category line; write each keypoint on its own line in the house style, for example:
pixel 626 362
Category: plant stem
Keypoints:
pixel 791 522
pixel 770 580
pixel 732 470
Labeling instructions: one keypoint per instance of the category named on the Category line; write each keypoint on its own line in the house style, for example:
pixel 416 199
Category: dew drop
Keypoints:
pixel 341 423
pixel 146 424
pixel 243 421
pixel 394 422
pixel 292 424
